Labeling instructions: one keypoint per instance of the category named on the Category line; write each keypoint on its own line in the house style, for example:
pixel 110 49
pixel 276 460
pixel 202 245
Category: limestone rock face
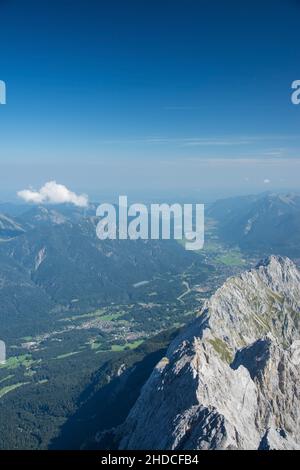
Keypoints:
pixel 231 380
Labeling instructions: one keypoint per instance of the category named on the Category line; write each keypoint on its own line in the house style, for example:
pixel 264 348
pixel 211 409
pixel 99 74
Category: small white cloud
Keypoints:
pixel 267 181
pixel 53 193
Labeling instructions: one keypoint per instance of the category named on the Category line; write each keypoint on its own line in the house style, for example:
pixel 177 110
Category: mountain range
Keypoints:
pixel 265 224
pixel 52 261
pixel 231 379
pixel 107 311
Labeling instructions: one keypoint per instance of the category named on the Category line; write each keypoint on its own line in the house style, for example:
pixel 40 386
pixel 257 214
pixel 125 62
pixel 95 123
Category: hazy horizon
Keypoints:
pixel 171 103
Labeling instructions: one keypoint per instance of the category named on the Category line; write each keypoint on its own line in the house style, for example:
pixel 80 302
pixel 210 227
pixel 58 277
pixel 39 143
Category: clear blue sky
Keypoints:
pixel 150 95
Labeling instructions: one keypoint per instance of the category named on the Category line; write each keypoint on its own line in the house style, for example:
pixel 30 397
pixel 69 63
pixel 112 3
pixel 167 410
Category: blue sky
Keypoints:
pixel 189 96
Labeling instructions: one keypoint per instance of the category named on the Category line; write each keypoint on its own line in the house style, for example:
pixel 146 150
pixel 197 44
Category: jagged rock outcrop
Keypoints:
pixel 231 379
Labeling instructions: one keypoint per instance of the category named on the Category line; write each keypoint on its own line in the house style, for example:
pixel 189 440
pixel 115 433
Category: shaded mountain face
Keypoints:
pixel 266 223
pixel 231 380
pixel 111 393
pixel 9 228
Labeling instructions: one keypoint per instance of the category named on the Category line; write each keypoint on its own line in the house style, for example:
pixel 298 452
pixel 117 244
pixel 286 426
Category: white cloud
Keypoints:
pixel 53 193
pixel 267 181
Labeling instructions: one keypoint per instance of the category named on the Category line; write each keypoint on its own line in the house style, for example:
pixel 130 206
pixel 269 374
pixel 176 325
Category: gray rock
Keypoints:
pixel 231 379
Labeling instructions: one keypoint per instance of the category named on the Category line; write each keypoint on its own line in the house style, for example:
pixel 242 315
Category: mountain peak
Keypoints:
pixel 231 379
pixel 275 260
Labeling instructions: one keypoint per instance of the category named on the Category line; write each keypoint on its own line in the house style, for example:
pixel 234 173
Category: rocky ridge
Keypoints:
pixel 231 379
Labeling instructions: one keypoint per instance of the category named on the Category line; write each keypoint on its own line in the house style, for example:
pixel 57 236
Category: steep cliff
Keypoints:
pixel 231 379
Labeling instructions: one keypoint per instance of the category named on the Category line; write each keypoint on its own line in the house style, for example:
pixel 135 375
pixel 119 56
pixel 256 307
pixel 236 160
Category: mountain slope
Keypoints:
pixel 69 262
pixel 9 227
pixel 58 264
pixel 268 223
pixel 231 380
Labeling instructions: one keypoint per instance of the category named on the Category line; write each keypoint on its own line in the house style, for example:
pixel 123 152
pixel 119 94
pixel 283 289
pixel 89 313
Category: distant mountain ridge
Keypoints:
pixel 267 223
pixel 231 380
pixel 51 260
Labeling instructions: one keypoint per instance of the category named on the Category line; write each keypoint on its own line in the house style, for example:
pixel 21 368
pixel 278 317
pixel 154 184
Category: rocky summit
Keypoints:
pixel 231 379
